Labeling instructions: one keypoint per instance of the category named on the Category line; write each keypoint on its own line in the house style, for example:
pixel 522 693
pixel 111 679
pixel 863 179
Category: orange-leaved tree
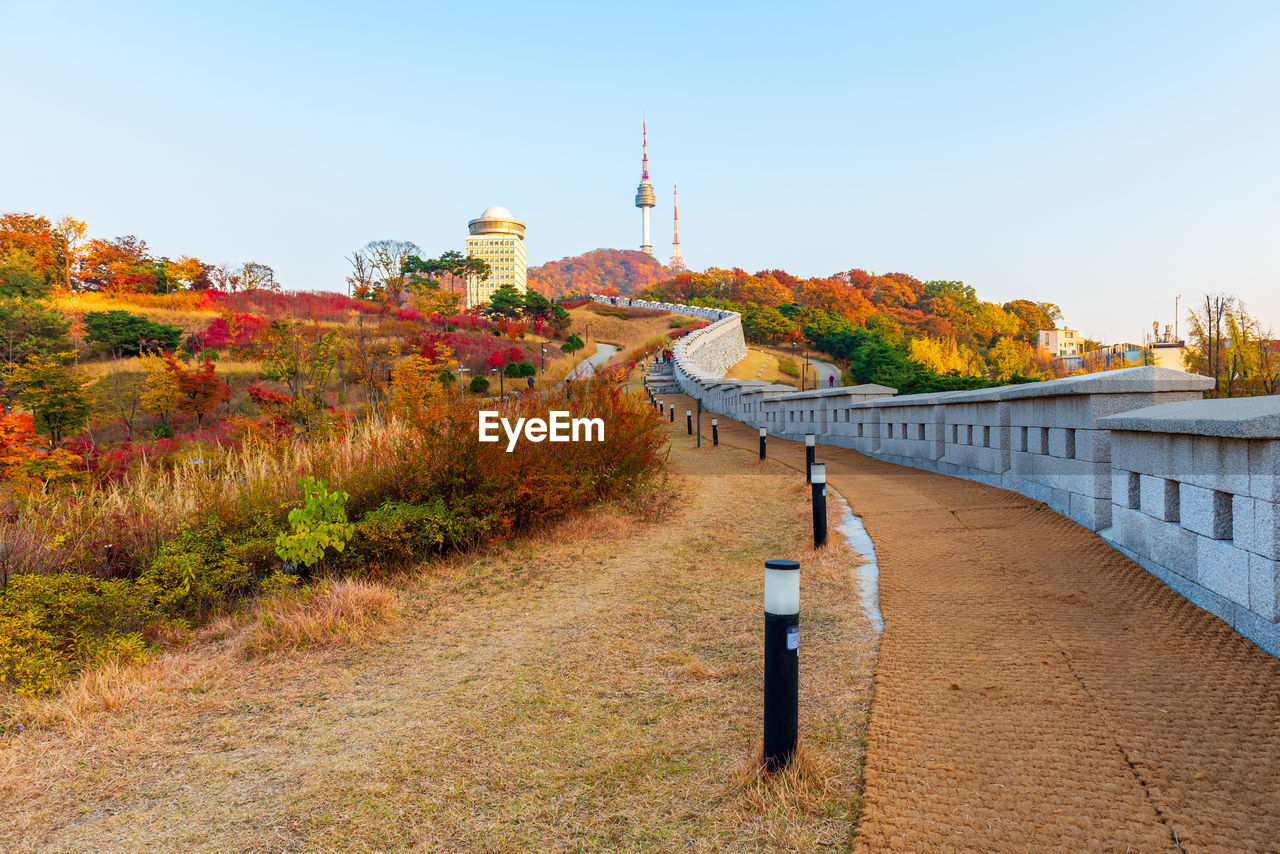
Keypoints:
pixel 23 462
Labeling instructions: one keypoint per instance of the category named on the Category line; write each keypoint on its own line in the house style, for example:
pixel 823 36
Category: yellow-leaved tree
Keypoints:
pixel 161 392
pixel 418 382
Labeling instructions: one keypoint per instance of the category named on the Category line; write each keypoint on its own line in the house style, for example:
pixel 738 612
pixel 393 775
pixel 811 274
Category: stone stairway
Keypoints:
pixel 661 378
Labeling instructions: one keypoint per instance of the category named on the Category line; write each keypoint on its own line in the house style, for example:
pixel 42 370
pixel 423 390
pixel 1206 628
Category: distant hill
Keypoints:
pixel 609 271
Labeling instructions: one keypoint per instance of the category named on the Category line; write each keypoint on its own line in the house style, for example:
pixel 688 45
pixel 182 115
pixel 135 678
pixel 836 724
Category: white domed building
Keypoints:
pixel 497 238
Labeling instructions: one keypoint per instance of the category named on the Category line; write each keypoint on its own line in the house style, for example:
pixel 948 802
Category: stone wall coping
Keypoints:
pixel 1232 418
pixel 1124 381
pixel 836 391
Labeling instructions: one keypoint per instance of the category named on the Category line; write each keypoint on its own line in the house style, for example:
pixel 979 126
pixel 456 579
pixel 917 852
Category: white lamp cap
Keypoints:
pixel 781 587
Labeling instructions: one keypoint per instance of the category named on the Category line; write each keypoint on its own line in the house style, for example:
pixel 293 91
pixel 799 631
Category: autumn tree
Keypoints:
pixel 23 462
pixel 70 233
pixel 1207 344
pixel 21 277
pixel 360 280
pixel 1010 358
pixel 224 278
pixel 416 385
pixel 945 356
pixel 191 273
pixel 120 393
pixel 371 356
pixel 52 392
pixel 28 328
pixel 200 392
pixel 386 259
pixel 118 266
pixel 303 359
pixel 161 393
pixel 31 237
pixel 252 276
pixel 837 298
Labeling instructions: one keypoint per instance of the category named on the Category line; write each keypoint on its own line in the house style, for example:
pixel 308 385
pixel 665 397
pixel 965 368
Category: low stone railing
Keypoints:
pixel 703 354
pixel 1196 501
pixel 1186 487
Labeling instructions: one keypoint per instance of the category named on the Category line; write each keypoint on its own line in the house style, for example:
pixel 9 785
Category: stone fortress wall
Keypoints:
pixel 1187 488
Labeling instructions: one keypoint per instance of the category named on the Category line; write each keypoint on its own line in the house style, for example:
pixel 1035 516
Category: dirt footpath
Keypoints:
pixel 593 688
pixel 1036 690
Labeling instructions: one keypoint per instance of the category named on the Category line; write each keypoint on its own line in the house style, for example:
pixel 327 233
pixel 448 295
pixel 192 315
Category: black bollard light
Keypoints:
pixel 763 437
pixel 808 455
pixel 699 422
pixel 818 478
pixel 715 433
pixel 661 407
pixel 688 421
pixel 671 414
pixel 781 662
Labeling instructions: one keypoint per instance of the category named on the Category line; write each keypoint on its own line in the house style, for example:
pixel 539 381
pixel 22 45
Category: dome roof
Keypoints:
pixel 496 212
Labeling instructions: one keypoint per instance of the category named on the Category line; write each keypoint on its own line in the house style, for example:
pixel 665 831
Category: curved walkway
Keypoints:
pixel 828 374
pixel 587 367
pixel 1037 691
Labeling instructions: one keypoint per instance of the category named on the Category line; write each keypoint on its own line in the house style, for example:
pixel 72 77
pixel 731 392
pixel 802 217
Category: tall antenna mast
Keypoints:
pixel 677 261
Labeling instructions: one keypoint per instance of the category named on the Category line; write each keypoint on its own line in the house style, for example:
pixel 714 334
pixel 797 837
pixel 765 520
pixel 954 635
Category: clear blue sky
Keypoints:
pixel 1104 156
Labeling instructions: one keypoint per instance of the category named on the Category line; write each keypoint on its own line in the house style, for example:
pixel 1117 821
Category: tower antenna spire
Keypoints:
pixel 677 261
pixel 644 147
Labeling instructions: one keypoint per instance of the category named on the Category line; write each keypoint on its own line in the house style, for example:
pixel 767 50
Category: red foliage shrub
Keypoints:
pixel 217 335
pixel 536 481
pixel 110 465
pixel 314 305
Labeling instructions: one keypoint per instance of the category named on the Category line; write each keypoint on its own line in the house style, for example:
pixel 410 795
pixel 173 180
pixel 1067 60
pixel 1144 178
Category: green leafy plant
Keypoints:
pixel 52 625
pixel 193 574
pixel 320 523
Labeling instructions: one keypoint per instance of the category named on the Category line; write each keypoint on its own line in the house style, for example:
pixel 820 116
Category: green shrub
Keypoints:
pixel 51 625
pixel 400 533
pixel 478 385
pixel 194 573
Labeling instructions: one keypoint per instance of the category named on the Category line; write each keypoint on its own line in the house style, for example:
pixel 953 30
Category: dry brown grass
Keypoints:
pixel 134 365
pixel 624 334
pixel 106 688
pixel 760 365
pixel 592 688
pixel 178 311
pixel 330 614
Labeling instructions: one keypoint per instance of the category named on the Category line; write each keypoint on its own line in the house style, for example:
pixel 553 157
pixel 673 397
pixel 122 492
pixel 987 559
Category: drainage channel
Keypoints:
pixel 855 534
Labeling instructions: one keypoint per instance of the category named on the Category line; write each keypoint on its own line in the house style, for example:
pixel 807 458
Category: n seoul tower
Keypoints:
pixel 644 192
